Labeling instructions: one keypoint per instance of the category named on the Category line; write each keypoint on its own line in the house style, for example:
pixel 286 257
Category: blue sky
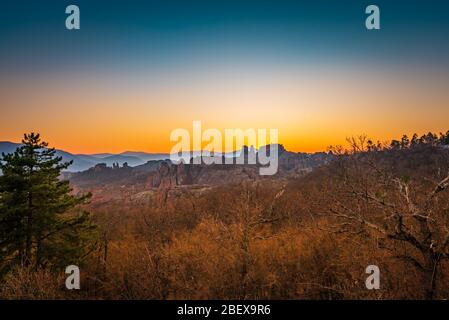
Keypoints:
pixel 168 33
pixel 138 69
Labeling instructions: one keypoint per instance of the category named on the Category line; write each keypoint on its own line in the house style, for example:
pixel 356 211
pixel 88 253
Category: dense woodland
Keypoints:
pixel 308 237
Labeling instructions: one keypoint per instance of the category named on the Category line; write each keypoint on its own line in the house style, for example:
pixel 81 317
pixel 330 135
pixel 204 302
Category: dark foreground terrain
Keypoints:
pixel 170 231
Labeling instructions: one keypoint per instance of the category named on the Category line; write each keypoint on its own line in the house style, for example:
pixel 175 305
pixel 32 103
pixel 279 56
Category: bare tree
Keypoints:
pixel 255 210
pixel 398 205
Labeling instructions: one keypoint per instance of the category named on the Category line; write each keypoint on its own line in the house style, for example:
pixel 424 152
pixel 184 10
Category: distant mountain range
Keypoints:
pixel 83 162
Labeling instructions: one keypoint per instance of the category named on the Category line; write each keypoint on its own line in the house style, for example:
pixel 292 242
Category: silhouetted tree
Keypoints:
pixel 36 225
pixel 398 208
pixel 405 142
pixel 395 144
pixel 429 138
pixel 444 138
pixel 414 141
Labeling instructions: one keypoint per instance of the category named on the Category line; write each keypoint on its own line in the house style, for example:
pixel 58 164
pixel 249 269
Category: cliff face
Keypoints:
pixel 170 175
pixel 163 174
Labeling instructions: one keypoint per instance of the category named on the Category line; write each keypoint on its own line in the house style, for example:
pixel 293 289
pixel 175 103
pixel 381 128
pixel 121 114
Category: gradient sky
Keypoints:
pixel 139 69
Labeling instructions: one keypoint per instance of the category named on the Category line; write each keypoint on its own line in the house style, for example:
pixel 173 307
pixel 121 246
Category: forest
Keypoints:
pixel 308 236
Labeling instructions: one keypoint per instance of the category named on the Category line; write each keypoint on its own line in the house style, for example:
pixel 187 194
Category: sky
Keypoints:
pixel 136 70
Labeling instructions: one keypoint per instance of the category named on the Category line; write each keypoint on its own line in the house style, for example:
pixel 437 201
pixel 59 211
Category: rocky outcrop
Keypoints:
pixel 170 175
pixel 198 172
pixel 165 175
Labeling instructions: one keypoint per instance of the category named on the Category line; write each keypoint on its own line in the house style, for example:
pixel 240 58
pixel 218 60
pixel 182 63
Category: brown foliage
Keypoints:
pixel 307 238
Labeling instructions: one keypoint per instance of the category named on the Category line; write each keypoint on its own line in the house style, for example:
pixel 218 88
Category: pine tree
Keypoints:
pixel 445 139
pixel 405 142
pixel 38 226
pixel 415 140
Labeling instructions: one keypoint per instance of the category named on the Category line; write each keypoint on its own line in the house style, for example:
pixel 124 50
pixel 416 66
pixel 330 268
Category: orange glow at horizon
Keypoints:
pixel 312 109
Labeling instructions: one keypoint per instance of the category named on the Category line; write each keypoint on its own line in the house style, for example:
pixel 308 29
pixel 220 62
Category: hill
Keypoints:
pixel 82 162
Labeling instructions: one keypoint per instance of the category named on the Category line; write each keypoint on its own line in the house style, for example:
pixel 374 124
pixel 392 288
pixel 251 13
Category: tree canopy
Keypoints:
pixel 39 225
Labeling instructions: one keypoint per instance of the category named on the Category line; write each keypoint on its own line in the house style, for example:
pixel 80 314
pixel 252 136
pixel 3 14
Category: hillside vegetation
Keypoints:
pixel 307 236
